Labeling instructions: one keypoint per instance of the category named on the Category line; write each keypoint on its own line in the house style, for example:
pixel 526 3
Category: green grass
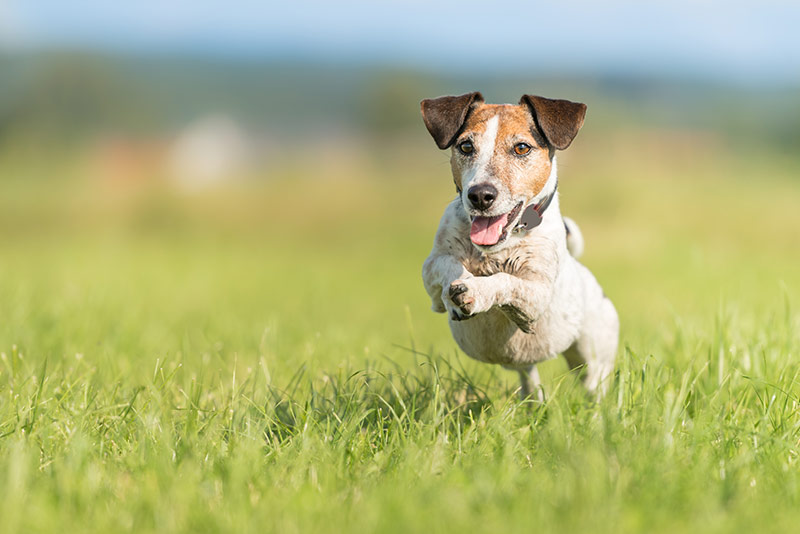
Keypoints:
pixel 229 362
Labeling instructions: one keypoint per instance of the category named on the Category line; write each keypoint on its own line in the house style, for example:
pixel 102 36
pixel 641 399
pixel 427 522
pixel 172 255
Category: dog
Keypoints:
pixel 504 261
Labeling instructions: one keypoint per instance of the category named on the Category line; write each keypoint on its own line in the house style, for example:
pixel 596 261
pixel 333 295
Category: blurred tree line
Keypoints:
pixel 73 97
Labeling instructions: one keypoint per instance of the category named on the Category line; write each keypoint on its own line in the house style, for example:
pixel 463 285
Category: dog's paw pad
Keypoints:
pixel 461 298
pixel 457 288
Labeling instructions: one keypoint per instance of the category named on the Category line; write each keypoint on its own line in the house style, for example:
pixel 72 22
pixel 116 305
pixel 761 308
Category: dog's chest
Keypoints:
pixel 516 261
pixel 492 336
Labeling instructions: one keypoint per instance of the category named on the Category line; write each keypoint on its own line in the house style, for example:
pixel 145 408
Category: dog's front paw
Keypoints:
pixel 467 299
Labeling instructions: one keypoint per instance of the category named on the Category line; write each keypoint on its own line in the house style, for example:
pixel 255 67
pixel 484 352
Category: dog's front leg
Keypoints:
pixel 522 300
pixel 438 273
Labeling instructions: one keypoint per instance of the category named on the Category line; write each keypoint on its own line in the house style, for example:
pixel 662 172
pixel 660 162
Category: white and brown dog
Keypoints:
pixel 503 263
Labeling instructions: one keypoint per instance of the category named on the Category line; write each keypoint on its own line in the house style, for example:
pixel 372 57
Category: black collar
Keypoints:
pixel 532 216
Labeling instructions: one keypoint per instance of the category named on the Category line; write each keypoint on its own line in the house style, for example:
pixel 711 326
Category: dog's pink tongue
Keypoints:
pixel 487 230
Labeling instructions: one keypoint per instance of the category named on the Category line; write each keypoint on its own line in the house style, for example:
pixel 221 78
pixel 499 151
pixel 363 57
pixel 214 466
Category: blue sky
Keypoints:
pixel 747 42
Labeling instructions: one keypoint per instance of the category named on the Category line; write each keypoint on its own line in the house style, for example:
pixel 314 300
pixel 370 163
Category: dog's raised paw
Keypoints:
pixel 457 288
pixel 461 298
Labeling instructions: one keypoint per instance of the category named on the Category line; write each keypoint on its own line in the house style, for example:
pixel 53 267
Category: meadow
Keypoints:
pixel 261 357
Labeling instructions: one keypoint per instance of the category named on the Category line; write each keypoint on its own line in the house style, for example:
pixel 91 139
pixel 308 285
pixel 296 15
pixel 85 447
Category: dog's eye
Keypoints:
pixel 522 149
pixel 466 147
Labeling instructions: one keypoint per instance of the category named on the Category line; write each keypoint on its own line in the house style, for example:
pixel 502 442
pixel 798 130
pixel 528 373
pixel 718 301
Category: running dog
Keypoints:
pixel 503 265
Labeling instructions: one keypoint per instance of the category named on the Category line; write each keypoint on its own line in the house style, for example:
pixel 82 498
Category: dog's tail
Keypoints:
pixel 574 238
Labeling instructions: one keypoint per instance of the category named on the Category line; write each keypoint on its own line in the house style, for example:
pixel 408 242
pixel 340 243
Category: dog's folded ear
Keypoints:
pixel 444 116
pixel 558 120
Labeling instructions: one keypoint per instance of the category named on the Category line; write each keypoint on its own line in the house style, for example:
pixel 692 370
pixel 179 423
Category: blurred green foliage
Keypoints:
pixel 71 96
pixel 261 356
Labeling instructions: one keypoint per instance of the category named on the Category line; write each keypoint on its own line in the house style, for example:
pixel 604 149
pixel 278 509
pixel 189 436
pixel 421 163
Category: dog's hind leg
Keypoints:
pixel 596 349
pixel 530 383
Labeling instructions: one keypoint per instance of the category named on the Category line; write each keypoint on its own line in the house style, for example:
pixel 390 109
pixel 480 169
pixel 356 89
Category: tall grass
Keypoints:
pixel 262 358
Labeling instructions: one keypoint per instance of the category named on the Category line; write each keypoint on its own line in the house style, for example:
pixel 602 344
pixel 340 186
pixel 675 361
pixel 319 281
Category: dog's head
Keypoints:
pixel 502 155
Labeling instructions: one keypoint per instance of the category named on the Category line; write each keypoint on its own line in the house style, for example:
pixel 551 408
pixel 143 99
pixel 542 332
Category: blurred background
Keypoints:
pixel 254 178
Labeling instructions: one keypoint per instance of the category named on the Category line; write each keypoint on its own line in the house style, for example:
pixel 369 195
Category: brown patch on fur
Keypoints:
pixel 509 261
pixel 525 175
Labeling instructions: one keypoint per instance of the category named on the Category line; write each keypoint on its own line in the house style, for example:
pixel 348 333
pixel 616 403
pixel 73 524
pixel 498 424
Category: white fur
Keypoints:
pixel 525 302
pixel 478 173
pixel 485 147
pixel 486 144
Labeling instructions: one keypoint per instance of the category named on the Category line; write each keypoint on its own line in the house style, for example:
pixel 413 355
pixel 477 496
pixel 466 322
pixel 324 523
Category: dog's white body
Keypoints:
pixel 526 300
pixel 563 307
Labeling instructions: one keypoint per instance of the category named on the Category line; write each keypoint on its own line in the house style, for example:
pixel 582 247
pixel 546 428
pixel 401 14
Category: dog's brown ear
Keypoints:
pixel 444 116
pixel 558 120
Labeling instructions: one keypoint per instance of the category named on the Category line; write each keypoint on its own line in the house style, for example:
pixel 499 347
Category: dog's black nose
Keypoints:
pixel 482 196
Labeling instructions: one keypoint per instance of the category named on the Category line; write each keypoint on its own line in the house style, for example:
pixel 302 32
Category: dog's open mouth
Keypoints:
pixel 488 231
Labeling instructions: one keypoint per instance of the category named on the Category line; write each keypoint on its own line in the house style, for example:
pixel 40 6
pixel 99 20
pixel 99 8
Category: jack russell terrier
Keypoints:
pixel 503 265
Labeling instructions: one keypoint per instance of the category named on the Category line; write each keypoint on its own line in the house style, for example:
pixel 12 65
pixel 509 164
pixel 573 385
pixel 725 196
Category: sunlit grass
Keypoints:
pixel 263 357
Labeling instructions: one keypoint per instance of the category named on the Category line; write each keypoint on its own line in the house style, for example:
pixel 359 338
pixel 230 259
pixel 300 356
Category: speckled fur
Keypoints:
pixel 528 300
